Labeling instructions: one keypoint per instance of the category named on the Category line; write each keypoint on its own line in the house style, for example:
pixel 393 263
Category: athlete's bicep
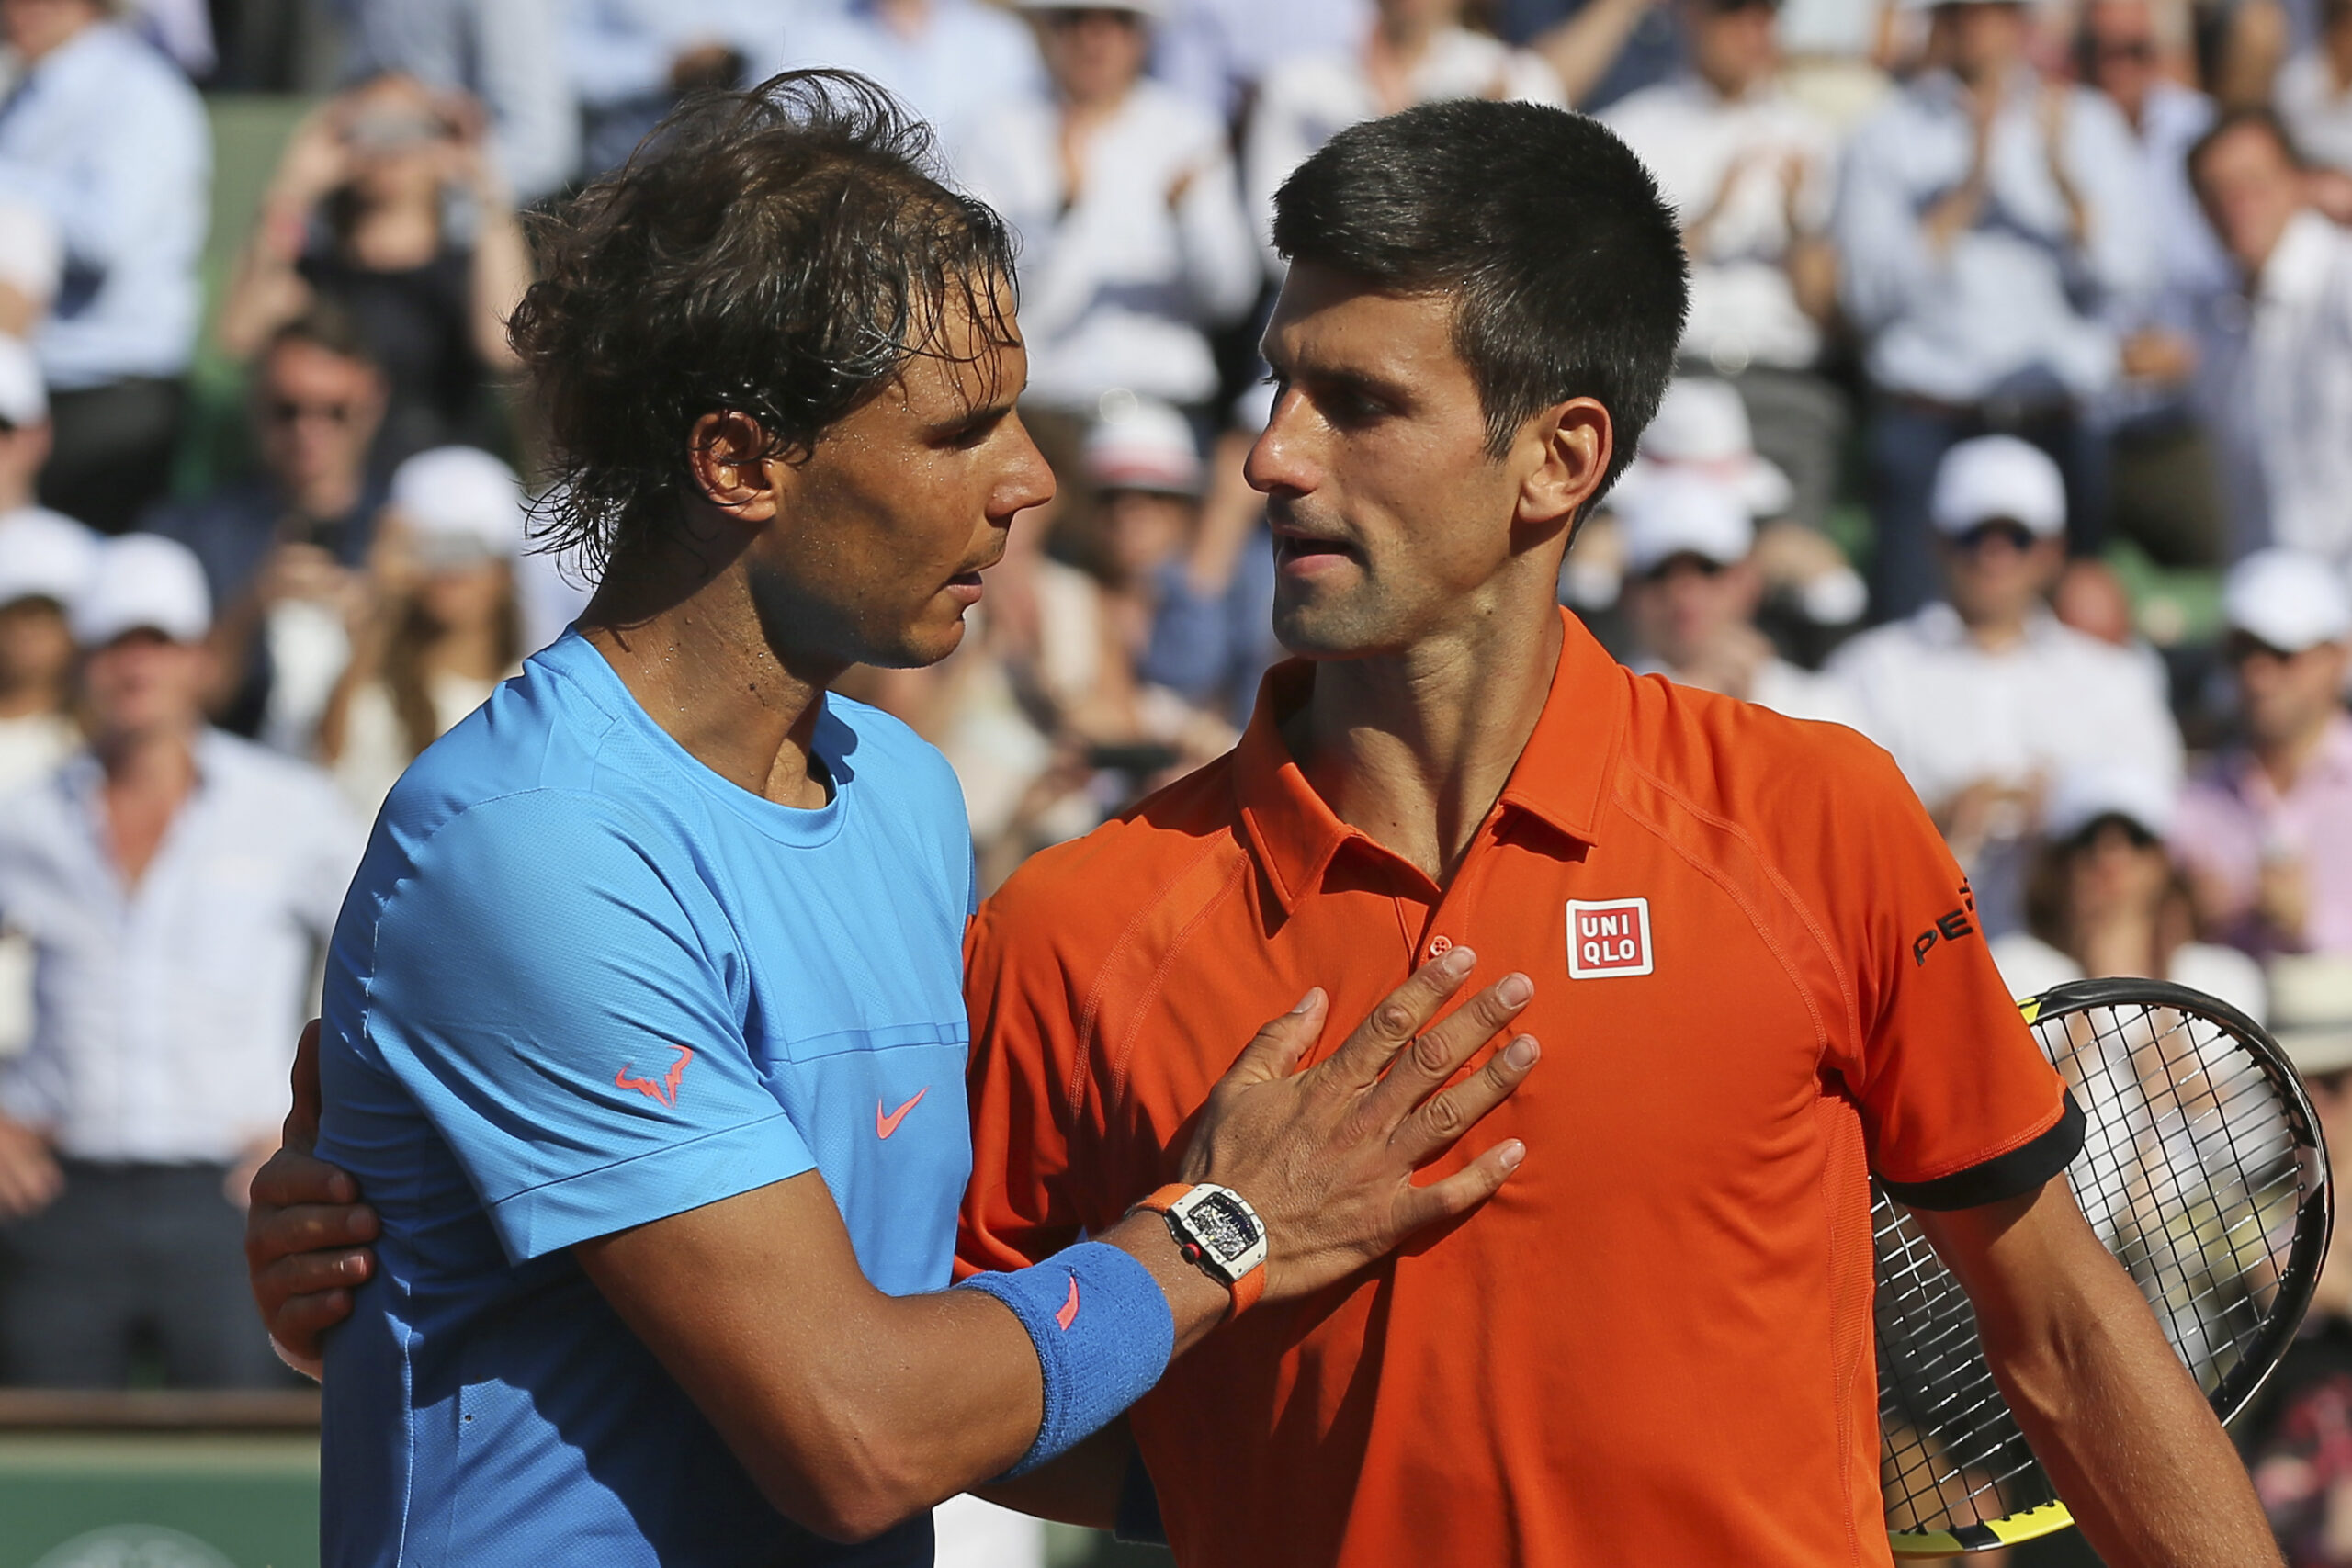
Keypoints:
pixel 836 1398
pixel 564 1012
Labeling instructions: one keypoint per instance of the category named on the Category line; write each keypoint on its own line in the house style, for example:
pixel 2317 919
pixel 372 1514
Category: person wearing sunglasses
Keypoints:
pixel 282 551
pixel 1984 697
pixel 2266 829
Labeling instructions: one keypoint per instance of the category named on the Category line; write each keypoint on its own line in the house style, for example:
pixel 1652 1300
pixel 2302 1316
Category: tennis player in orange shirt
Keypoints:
pixel 1758 979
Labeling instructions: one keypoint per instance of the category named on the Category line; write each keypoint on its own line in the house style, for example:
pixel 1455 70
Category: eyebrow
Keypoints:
pixel 1383 387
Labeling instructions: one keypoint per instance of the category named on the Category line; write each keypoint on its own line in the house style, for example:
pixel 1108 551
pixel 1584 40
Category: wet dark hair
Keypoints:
pixel 1566 262
pixel 780 253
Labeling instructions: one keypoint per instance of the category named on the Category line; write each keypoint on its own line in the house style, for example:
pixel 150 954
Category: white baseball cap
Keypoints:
pixel 2088 792
pixel 2289 599
pixel 1140 444
pixel 1683 513
pixel 1997 478
pixel 45 555
pixel 462 506
pixel 143 583
pixel 2310 1010
pixel 1702 427
pixel 24 401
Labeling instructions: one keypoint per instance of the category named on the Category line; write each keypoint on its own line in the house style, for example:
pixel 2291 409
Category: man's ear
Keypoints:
pixel 734 467
pixel 1576 441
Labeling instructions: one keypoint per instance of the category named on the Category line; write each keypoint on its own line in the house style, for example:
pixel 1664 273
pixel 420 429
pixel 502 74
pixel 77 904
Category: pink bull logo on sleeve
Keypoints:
pixel 1609 938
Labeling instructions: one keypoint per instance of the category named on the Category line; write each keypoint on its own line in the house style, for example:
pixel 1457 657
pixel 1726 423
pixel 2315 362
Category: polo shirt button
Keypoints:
pixel 1439 946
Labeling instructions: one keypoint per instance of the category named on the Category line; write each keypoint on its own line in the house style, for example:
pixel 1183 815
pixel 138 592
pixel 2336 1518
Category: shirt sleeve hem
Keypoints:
pixel 651 1186
pixel 2019 1170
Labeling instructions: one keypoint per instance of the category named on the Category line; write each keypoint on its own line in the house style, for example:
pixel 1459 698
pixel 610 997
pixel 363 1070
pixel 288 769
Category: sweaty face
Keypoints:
pixel 1390 519
pixel 889 521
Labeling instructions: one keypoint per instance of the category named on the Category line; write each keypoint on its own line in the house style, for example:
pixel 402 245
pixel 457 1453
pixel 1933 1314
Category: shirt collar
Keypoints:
pixel 1562 777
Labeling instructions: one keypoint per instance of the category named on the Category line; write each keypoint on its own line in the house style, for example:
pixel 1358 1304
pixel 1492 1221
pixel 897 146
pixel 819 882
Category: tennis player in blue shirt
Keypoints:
pixel 644 1032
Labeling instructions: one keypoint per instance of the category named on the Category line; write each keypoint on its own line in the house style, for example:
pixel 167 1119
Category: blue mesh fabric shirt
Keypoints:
pixel 581 983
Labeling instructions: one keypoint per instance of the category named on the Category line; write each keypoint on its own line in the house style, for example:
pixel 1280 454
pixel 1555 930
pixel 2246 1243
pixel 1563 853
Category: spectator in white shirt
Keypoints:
pixel 1218 52
pixel 2165 492
pixel 1986 698
pixel 2275 375
pixel 175 884
pixel 1694 594
pixel 630 61
pixel 2106 900
pixel 2313 92
pixel 1751 173
pixel 1991 224
pixel 1133 248
pixel 107 137
pixel 1417 52
pixel 946 60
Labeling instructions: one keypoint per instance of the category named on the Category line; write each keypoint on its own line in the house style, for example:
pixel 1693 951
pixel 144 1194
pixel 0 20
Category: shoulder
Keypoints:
pixel 1881 650
pixel 1167 112
pixel 270 779
pixel 2225 974
pixel 1078 899
pixel 1309 79
pixel 908 763
pixel 1659 107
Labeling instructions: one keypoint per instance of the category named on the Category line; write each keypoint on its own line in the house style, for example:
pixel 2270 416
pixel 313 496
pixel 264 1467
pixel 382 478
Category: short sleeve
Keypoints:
pixel 1959 1105
pixel 558 989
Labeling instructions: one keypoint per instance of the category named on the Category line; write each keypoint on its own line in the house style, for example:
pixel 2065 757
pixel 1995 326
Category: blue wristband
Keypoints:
pixel 1103 1331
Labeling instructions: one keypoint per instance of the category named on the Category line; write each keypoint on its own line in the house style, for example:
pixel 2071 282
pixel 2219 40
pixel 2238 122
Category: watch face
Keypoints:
pixel 1222 1226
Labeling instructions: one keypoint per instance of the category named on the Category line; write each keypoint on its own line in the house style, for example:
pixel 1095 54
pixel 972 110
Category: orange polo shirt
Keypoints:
pixel 1758 978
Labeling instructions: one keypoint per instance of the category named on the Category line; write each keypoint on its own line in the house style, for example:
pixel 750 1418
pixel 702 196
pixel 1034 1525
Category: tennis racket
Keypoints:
pixel 2202 1171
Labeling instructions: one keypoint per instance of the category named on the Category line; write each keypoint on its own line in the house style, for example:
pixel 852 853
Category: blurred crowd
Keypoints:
pixel 2014 429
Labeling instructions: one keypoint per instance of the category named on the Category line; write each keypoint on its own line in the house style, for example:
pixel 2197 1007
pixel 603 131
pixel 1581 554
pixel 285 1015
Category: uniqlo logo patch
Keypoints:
pixel 1609 938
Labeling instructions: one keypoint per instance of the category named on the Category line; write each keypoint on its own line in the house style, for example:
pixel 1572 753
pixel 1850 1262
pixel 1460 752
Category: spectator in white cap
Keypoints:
pixel 1985 698
pixel 1133 246
pixel 2266 829
pixel 1694 590
pixel 46 561
pixel 448 624
pixel 1702 427
pixel 176 884
pixel 2105 899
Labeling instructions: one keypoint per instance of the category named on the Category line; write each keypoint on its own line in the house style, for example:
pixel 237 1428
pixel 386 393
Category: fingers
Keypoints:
pixel 272 1234
pixel 1437 1052
pixel 313 1274
pixel 288 1180
pixel 1275 1050
pixel 1401 1015
pixel 299 1320
pixel 1438 1125
pixel 1462 1191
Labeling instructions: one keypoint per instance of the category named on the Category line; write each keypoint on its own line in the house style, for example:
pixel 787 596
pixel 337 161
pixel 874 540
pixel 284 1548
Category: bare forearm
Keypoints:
pixel 2129 1441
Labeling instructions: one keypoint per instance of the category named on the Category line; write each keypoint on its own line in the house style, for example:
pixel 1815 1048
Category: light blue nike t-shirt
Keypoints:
pixel 581 983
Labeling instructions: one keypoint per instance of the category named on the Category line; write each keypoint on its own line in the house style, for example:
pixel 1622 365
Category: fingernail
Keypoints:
pixel 1520 1054
pixel 1513 1152
pixel 1515 990
pixel 1306 1001
pixel 1457 962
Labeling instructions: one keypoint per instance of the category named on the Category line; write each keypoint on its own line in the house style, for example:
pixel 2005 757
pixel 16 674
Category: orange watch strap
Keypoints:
pixel 1247 1289
pixel 1166 1198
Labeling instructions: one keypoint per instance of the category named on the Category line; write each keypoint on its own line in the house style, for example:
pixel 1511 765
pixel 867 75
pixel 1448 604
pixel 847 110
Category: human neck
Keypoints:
pixel 1998 634
pixel 1413 749
pixel 152 763
pixel 677 624
pixel 325 497
pixel 2285 758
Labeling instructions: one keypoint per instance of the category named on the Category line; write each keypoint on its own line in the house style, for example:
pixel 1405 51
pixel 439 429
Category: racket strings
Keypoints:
pixel 2191 1175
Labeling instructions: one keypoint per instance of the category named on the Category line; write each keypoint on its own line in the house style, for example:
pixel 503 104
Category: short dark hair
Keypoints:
pixel 780 253
pixel 325 325
pixel 1566 262
pixel 2261 117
